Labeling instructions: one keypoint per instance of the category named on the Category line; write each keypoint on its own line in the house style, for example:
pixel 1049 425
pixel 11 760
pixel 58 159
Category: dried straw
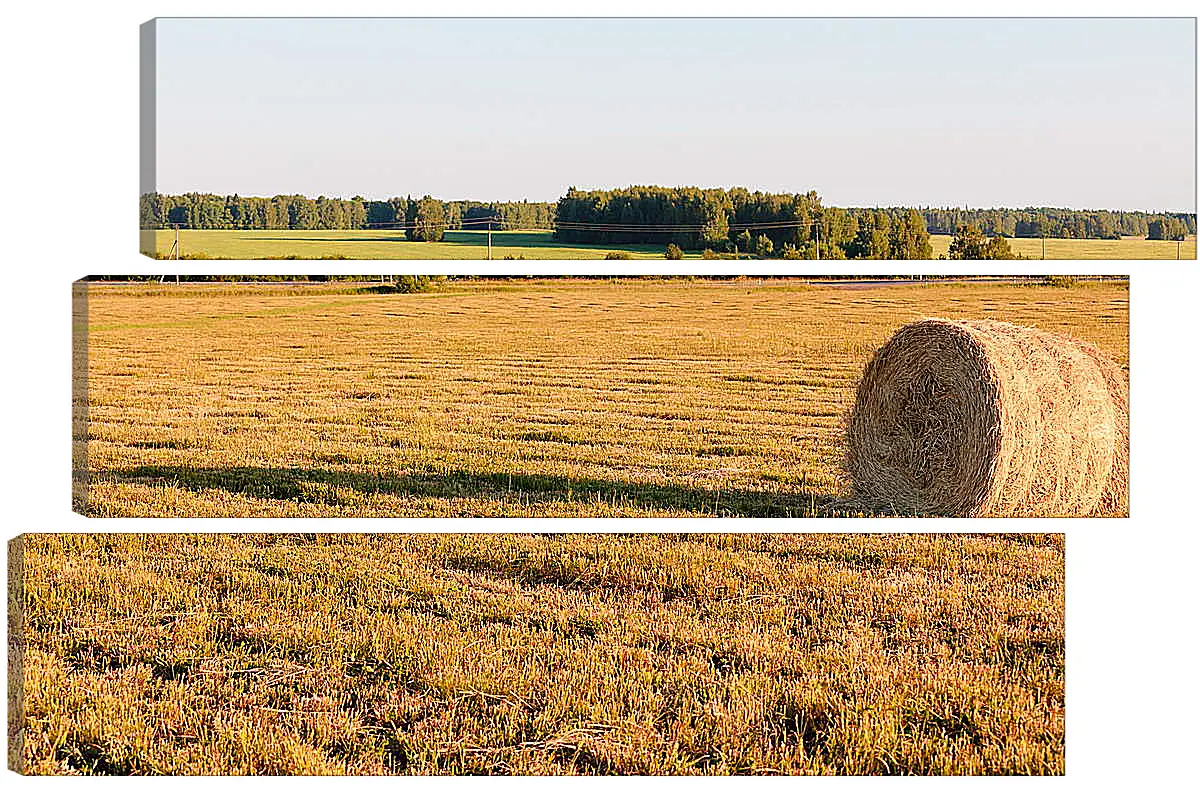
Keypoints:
pixel 985 418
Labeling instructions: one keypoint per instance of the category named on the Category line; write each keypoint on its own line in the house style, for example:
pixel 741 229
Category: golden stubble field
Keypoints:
pixel 504 653
pixel 512 398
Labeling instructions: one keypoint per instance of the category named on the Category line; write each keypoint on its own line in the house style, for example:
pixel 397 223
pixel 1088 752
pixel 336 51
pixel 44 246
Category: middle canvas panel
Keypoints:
pixel 459 396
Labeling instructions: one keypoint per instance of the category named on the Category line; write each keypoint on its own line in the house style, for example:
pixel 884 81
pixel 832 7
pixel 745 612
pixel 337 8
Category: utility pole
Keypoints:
pixel 489 239
pixel 175 246
pixel 818 224
pixel 1043 247
pixel 1178 244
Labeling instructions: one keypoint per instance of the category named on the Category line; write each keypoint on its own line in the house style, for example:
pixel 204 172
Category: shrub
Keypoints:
pixel 616 255
pixel 413 284
pixel 674 253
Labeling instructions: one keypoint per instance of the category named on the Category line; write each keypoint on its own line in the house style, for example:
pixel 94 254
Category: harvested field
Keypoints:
pixel 509 398
pixel 577 654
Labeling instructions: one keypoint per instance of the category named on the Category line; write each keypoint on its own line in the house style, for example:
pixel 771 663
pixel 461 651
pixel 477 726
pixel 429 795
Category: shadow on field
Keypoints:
pixel 326 239
pixel 345 489
pixel 477 238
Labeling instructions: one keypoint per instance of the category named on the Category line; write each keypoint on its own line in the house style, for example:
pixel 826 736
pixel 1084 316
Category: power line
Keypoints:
pixel 625 227
pixel 477 225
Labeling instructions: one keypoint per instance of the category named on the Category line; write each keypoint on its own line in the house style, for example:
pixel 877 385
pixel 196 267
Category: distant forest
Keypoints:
pixel 721 220
pixel 297 212
pixel 1060 223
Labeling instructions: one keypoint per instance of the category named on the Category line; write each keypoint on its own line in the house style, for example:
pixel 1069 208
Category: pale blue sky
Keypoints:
pixel 969 112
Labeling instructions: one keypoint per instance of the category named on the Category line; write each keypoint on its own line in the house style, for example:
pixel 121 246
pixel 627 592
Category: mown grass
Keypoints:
pixel 1129 248
pixel 497 654
pixel 368 244
pixel 524 398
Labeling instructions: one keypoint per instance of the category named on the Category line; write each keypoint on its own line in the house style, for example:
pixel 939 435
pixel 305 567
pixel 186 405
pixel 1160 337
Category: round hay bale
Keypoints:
pixel 984 418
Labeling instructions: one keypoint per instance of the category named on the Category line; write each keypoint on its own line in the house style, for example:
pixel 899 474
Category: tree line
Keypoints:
pixel 281 212
pixel 428 217
pixel 739 221
pixel 1060 223
pixel 721 220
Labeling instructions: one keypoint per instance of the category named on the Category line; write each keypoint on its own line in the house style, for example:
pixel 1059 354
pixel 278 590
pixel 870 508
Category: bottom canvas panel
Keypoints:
pixel 795 654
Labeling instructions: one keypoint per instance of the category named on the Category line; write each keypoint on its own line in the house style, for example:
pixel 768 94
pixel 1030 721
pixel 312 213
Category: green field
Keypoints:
pixel 555 398
pixel 705 654
pixel 383 244
pixel 365 244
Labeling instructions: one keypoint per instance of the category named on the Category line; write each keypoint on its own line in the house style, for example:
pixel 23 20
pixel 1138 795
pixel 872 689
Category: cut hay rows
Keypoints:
pixel 521 398
pixel 985 418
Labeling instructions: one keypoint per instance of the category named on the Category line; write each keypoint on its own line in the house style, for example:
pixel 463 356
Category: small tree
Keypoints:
pixel 970 244
pixel 763 246
pixel 674 253
pixel 426 220
pixel 997 249
pixel 715 227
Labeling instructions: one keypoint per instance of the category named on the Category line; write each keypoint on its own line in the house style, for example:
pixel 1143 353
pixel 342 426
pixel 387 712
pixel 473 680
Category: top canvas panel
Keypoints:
pixel 725 139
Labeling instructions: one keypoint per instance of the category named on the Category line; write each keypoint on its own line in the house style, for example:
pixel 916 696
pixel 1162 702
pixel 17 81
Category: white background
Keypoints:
pixel 70 114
